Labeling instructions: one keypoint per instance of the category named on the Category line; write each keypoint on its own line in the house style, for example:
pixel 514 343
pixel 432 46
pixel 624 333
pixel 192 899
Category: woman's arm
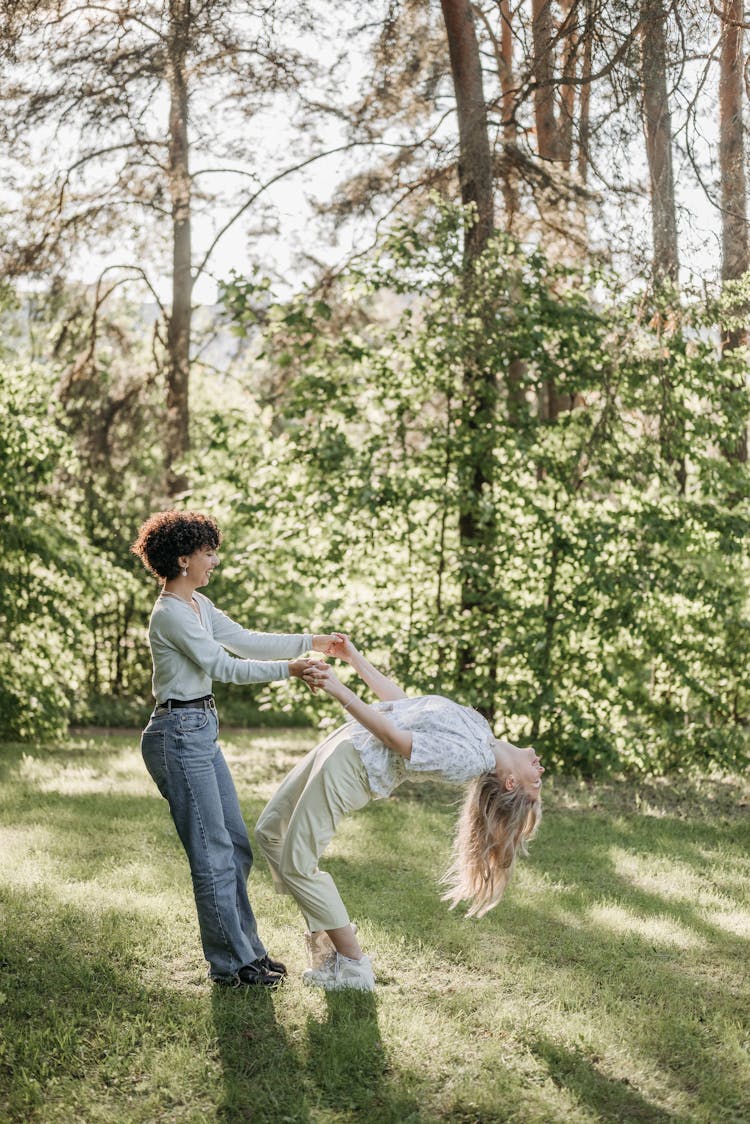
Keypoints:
pixel 386 731
pixel 179 628
pixel 265 645
pixel 256 645
pixel 383 687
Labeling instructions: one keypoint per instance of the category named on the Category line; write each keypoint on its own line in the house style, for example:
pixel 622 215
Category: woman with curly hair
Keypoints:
pixel 192 643
pixel 379 747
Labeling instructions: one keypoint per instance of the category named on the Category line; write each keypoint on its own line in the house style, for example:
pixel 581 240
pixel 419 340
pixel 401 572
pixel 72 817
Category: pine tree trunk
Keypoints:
pixel 734 235
pixel 658 131
pixel 584 126
pixel 545 117
pixel 657 125
pixel 510 139
pixel 568 89
pixel 177 442
pixel 475 160
pixel 476 520
pixel 554 135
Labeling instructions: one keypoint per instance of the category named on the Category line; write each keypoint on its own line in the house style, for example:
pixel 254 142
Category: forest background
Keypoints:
pixel 477 395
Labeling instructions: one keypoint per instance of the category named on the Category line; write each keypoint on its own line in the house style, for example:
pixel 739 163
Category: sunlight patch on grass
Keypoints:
pixel 94 897
pixel 655 930
pixel 705 888
pixel 25 855
pixel 535 881
pixel 30 857
pixel 735 921
pixel 122 774
pixel 259 760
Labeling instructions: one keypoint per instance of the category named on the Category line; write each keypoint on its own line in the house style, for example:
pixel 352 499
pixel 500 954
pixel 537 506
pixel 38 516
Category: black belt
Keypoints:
pixel 206 703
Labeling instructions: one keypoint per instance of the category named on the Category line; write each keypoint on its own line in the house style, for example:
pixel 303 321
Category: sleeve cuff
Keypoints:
pixel 420 755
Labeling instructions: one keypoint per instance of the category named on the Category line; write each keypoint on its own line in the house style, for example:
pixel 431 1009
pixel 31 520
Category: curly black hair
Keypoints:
pixel 166 536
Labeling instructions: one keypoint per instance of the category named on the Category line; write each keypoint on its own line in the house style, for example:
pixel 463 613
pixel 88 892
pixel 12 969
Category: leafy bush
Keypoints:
pixel 612 623
pixel 47 574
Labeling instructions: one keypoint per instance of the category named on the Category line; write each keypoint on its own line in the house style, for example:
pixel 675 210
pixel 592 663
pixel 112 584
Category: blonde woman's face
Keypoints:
pixel 527 771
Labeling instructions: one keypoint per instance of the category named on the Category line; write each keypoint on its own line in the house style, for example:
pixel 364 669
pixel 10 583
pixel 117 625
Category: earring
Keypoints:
pixel 184 572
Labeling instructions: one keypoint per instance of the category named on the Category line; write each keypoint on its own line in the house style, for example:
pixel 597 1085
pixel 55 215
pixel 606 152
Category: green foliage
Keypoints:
pixel 517 487
pixel 43 565
pixel 610 624
pixel 73 483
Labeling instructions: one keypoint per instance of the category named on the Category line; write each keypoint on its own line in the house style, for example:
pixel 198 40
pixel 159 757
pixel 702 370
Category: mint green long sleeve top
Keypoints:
pixel 189 653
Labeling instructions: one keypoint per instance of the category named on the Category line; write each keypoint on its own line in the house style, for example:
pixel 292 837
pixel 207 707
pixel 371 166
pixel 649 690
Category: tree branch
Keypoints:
pixel 136 269
pixel 280 176
pixel 121 17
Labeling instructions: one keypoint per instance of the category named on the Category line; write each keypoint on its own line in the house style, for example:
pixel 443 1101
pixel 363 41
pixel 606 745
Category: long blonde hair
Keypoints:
pixel 494 824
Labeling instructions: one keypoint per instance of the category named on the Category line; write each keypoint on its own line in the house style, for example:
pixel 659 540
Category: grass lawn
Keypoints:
pixel 611 984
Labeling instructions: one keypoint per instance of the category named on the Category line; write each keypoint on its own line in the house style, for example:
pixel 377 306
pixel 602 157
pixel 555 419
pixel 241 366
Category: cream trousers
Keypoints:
pixel 300 820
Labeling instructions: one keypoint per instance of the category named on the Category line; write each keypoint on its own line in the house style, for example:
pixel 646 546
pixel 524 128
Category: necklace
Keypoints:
pixel 193 604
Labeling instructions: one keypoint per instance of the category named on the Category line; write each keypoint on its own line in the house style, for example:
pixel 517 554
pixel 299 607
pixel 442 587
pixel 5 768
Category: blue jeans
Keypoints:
pixel 183 756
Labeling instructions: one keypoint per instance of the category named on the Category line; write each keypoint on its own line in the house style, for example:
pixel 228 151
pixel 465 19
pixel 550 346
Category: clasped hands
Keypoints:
pixel 316 673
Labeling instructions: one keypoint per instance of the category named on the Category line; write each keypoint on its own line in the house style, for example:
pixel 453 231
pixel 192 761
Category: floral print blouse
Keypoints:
pixel 450 742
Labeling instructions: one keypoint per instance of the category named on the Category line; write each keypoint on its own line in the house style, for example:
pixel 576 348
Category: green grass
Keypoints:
pixel 612 983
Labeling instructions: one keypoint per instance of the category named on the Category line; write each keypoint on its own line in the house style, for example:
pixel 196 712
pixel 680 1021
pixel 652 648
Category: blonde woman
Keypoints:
pixel 380 746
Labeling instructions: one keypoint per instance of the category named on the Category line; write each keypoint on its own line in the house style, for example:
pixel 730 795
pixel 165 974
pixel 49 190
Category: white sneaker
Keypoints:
pixel 340 973
pixel 323 974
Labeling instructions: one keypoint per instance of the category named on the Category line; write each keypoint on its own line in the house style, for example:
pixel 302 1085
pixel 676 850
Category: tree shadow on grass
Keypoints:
pixel 263 1077
pixel 83 1019
pixel 574 853
pixel 76 1010
pixel 673 1010
pixel 609 1098
pixel 349 1065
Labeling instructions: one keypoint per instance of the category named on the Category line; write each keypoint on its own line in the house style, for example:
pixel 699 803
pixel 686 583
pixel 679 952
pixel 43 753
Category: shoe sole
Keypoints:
pixel 350 985
pixel 339 985
pixel 271 985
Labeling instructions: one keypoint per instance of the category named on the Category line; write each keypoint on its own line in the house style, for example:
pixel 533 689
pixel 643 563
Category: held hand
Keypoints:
pixel 341 647
pixel 307 671
pixel 325 678
pixel 326 643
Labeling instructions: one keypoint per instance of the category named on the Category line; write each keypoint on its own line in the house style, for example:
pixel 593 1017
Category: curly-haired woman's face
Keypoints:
pixel 200 565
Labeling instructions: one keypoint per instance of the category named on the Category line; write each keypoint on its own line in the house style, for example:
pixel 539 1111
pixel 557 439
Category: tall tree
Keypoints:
pixel 476 522
pixel 549 133
pixel 475 159
pixel 119 95
pixel 657 124
pixel 503 59
pixel 735 258
pixel 178 175
pixel 558 81
pixel 734 233
pixel 585 107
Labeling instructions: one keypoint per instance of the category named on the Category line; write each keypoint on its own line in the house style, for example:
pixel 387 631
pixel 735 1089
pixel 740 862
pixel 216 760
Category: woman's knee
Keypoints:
pixel 268 832
pixel 297 858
